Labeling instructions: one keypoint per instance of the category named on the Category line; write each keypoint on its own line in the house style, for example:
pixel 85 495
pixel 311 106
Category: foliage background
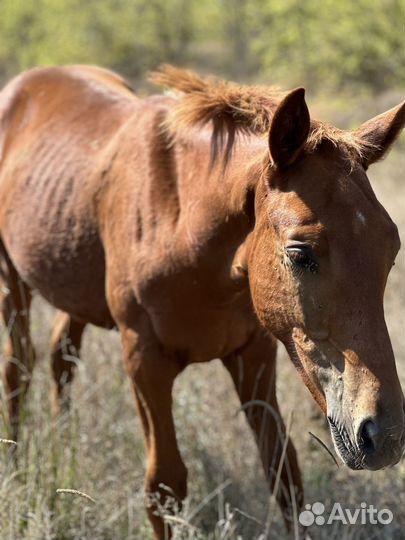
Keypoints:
pixel 322 44
pixel 350 57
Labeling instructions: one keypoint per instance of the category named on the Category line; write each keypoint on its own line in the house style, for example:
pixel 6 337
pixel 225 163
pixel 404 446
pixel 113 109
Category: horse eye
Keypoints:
pixel 302 257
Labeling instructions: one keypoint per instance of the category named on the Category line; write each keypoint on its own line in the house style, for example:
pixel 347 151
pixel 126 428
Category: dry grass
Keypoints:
pixel 99 449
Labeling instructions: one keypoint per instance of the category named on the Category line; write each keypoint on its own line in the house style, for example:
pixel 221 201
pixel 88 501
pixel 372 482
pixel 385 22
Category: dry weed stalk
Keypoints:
pixel 8 441
pixel 77 492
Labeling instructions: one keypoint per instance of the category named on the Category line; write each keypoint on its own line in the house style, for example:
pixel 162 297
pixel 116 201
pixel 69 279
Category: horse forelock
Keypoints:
pixel 233 109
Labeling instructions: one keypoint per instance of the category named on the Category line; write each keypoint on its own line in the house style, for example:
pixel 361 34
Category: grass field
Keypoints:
pixel 99 448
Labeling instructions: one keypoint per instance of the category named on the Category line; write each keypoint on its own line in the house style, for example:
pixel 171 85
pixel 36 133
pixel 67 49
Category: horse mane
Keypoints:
pixel 235 109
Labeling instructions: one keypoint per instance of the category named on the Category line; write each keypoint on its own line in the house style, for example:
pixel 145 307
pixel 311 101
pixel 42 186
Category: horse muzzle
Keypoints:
pixel 373 447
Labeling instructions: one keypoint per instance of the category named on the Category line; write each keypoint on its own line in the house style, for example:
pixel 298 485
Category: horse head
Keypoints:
pixel 319 259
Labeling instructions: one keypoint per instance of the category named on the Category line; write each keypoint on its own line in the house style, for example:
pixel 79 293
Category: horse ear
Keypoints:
pixel 380 132
pixel 289 128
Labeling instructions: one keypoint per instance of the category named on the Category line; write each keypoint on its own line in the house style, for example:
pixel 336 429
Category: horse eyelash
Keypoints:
pixel 298 268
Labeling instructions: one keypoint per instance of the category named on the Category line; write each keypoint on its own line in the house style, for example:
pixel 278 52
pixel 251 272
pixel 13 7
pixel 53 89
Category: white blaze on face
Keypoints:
pixel 359 222
pixel 360 217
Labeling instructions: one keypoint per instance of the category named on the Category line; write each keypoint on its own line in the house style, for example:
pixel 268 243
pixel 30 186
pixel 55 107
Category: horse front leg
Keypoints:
pixel 152 373
pixel 253 370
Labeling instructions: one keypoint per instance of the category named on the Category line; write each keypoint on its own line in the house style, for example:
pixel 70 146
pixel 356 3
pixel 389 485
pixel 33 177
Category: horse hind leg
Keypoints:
pixel 19 354
pixel 65 348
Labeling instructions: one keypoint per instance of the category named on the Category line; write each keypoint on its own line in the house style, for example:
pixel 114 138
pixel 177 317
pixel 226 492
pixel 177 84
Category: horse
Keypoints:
pixel 211 222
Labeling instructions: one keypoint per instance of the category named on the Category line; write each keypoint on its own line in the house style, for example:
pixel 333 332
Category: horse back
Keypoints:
pixel 55 126
pixel 37 95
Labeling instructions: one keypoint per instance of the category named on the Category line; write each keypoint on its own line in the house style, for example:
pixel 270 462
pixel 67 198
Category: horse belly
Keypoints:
pixel 57 251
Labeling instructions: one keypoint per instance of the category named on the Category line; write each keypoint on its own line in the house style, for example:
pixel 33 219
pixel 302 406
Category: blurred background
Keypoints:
pixel 324 45
pixel 350 57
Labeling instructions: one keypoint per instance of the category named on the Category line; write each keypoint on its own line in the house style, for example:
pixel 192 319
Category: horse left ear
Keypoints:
pixel 289 128
pixel 380 132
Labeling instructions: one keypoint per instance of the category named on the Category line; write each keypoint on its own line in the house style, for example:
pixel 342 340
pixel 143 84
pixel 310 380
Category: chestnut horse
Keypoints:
pixel 202 225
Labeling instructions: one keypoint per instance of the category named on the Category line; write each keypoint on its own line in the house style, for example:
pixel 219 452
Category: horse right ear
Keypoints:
pixel 380 132
pixel 289 129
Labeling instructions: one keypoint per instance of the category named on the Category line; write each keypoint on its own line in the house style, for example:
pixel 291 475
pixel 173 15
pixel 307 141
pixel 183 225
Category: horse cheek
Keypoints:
pixel 274 294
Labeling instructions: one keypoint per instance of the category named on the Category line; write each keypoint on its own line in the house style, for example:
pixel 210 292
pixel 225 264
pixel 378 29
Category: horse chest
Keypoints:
pixel 205 318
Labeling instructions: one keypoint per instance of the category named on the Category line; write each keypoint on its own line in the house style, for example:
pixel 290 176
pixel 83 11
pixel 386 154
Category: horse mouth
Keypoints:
pixel 350 455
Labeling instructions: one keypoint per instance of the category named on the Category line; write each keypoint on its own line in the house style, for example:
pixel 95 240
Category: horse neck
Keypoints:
pixel 224 190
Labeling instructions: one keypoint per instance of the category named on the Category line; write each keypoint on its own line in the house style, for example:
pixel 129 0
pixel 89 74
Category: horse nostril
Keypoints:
pixel 368 436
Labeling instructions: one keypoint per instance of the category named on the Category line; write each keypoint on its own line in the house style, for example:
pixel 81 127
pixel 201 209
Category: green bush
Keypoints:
pixel 316 43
